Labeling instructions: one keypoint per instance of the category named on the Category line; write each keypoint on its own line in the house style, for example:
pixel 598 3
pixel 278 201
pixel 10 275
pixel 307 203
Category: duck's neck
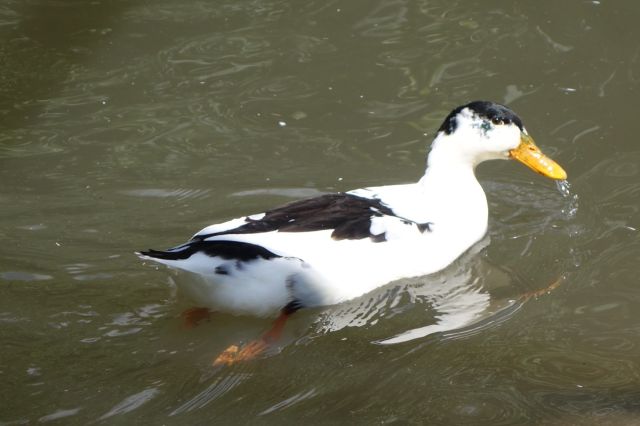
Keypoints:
pixel 453 194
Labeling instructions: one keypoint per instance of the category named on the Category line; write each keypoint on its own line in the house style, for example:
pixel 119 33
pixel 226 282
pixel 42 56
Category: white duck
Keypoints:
pixel 335 247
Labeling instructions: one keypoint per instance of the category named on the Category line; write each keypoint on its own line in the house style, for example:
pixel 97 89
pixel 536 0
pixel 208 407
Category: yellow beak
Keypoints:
pixel 528 153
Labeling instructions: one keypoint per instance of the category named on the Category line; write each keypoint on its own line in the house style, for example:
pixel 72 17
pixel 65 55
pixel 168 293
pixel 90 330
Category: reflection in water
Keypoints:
pixel 453 299
pixel 456 304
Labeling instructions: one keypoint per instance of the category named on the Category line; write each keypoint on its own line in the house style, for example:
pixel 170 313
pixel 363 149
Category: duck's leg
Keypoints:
pixel 253 349
pixel 537 293
pixel 193 316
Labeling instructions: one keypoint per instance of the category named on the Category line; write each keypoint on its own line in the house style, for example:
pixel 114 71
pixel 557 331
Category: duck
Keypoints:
pixel 335 247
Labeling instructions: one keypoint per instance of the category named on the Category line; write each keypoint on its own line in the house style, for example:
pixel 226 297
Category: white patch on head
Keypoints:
pixel 477 139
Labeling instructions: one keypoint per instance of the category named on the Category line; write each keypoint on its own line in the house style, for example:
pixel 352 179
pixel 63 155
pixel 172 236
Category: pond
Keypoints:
pixel 126 125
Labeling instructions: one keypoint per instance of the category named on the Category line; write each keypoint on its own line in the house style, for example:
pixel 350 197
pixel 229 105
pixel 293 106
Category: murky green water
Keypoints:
pixel 127 124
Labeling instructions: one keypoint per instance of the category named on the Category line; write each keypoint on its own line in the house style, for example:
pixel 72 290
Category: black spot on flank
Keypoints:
pixel 424 227
pixel 496 113
pixel 221 270
pixel 380 238
pixel 230 250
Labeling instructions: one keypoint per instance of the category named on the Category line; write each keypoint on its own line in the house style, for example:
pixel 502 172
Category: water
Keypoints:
pixel 572 206
pixel 125 125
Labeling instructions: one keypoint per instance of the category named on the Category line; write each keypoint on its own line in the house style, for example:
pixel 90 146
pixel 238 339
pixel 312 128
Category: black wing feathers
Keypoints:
pixel 348 215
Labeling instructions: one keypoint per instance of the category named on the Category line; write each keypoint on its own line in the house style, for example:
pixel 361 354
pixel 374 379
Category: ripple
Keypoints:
pixel 618 343
pixel 287 87
pixel 288 402
pixel 131 403
pixel 80 272
pixel 35 227
pixel 385 20
pixel 496 407
pixel 59 414
pixel 617 204
pixel 579 368
pixel 209 57
pixel 23 276
pixel 393 110
pixel 622 169
pixel 180 193
pixel 215 390
pixel 308 46
pixel 118 333
pixel 282 192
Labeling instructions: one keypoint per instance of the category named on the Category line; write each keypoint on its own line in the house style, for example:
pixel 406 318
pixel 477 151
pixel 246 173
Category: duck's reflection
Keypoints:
pixel 465 294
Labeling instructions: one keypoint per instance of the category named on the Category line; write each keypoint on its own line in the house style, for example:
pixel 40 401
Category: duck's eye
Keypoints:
pixel 497 121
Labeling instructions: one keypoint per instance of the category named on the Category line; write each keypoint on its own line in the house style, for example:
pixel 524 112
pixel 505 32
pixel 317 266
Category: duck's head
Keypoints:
pixel 483 130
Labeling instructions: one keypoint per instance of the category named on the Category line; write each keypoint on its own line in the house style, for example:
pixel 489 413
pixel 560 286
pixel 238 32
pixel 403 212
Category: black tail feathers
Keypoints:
pixel 235 250
pixel 165 255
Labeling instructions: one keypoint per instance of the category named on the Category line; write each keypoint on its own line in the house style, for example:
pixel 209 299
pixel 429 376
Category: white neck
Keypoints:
pixel 454 196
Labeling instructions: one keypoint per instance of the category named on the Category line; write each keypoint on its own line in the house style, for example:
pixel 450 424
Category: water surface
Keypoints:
pixel 126 125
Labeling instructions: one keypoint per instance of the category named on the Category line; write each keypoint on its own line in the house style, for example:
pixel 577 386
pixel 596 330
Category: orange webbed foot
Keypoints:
pixel 252 350
pixel 234 353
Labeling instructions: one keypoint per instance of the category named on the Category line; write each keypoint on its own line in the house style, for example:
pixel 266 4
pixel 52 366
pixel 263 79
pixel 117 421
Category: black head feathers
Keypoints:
pixel 496 113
